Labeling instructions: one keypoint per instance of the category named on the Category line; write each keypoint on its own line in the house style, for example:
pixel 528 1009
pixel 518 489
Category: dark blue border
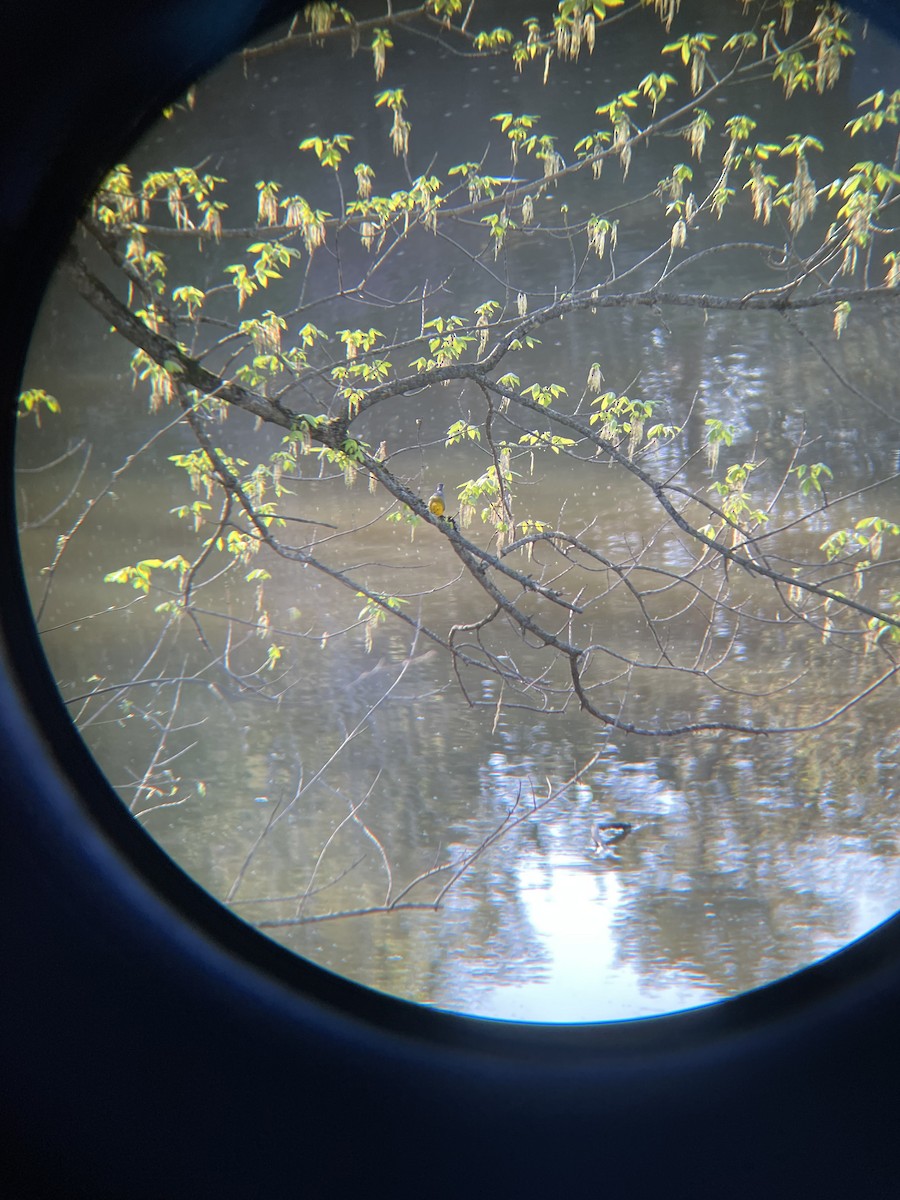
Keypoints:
pixel 154 1046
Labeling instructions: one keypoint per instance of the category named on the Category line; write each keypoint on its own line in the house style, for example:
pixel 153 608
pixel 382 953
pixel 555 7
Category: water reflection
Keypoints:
pixel 751 858
pixel 747 860
pixel 371 783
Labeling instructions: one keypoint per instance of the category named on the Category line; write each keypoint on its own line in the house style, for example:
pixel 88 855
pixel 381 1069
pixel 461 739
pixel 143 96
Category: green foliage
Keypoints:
pixel 196 512
pixel 509 380
pixel 795 72
pixel 188 198
pixel 544 394
pixel 485 495
pixel 201 470
pixel 693 48
pixel 882 107
pixel 272 258
pixel 445 8
pixel 459 431
pixel 532 526
pixel 298 214
pixel 865 537
pixel 358 341
pixel 655 87
pixel 499 225
pixel 524 343
pixel 735 499
pixel 742 41
pixel 695 133
pixel 809 478
pixel 160 377
pixel 329 151
pixel 662 433
pixel 446 221
pixel 320 15
pixel 496 39
pixel 718 434
pixel 518 131
pixel 621 418
pixel 406 517
pixel 395 100
pixel 191 297
pixel 832 41
pixel 617 110
pixel 140 574
pixel 381 43
pixel 884 631
pixel 544 440
pixel 375 611
pixel 274 654
pixel 264 332
pixel 34 401
pixel 601 233
pixel 446 345
pixel 267 204
pixel 862 192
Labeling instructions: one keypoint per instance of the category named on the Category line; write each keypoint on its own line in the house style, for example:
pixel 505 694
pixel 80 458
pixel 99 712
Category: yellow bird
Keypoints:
pixel 436 503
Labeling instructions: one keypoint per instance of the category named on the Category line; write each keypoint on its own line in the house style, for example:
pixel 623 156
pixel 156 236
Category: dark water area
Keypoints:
pixel 748 858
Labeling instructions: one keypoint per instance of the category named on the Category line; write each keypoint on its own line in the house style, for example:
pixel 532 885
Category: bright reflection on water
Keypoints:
pixel 574 912
pixel 747 859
